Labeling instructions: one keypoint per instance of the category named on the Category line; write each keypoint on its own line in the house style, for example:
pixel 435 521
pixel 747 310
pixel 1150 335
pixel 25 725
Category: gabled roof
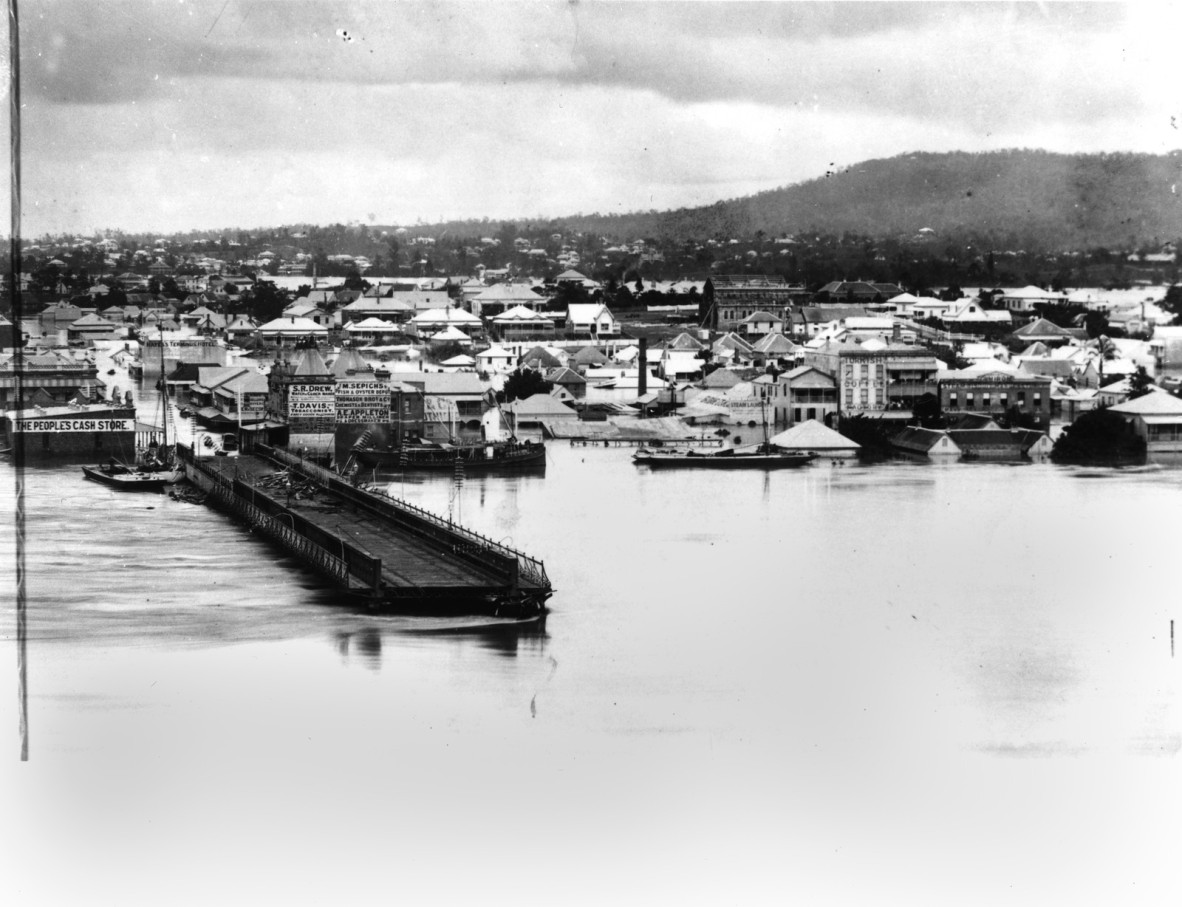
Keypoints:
pixel 538 405
pixel 1155 403
pixel 1045 365
pixel 589 355
pixel 685 342
pixel 92 321
pixel 921 440
pixel 1040 327
pixel 540 358
pixel 520 313
pixel 298 308
pixel 775 345
pixel 812 435
pixel 720 379
pixel 506 292
pixel 380 306
pixel 293 326
pixel 445 316
pixel 762 316
pixel 566 376
pixel 494 352
pixel 1031 292
pixel 587 311
pixel 732 341
pixel 372 323
pixel 966 421
pixel 794 375
pixel 451 332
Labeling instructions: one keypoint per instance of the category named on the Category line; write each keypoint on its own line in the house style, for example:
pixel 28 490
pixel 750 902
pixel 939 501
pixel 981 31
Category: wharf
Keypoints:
pixel 393 554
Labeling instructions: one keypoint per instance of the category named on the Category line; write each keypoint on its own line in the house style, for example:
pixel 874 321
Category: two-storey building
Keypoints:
pixel 738 298
pixel 884 377
pixel 995 393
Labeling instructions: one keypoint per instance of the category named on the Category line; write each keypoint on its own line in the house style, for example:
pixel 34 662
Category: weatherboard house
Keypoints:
pixel 1156 417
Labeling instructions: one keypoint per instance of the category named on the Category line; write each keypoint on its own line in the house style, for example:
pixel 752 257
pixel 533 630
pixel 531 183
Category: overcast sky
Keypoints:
pixel 184 114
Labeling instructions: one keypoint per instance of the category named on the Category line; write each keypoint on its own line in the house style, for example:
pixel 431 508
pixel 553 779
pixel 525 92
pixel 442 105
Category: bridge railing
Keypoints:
pixel 232 494
pixel 462 541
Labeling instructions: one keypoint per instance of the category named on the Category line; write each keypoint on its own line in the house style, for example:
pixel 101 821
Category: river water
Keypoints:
pixel 841 684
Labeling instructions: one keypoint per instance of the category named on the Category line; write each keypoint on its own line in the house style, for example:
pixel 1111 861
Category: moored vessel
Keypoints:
pixel 758 458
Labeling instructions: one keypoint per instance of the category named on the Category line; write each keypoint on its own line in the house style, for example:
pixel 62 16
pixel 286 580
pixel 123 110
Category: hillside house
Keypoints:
pixel 591 320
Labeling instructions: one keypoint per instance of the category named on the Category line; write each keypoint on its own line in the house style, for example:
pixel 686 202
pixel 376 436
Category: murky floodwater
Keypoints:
pixel 832 685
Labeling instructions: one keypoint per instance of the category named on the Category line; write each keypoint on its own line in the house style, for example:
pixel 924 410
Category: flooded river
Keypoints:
pixel 894 684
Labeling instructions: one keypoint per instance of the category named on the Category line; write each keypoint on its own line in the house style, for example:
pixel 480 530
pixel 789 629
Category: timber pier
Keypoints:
pixel 394 555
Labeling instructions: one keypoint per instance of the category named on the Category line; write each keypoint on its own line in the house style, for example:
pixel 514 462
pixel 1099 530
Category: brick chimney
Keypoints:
pixel 642 362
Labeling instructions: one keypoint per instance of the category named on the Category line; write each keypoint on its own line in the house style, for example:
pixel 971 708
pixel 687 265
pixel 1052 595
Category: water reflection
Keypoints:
pixel 368 642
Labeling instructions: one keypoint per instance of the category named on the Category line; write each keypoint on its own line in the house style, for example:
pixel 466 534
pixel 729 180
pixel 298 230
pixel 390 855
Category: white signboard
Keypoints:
pixel 362 402
pixel 67 426
pixel 439 409
pixel 309 401
pixel 742 408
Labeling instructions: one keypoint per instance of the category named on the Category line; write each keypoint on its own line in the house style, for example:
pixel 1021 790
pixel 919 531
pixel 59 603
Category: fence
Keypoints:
pixel 232 495
pixel 472 546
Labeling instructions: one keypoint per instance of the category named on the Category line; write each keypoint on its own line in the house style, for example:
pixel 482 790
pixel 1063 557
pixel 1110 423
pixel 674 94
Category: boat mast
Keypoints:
pixel 163 397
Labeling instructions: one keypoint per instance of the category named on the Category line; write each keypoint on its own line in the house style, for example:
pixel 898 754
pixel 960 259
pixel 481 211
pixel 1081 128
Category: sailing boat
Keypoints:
pixel 155 470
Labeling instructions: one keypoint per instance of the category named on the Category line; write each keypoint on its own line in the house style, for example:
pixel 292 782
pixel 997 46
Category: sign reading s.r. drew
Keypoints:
pixel 311 401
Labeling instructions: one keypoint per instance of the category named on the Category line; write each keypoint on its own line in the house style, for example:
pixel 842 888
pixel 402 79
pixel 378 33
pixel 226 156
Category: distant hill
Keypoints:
pixel 1006 199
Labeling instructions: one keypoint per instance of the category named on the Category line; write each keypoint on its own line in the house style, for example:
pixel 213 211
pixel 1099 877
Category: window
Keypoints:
pixel 952 401
pixel 1021 398
pixel 865 396
pixel 968 401
pixel 1005 399
pixel 1038 399
pixel 849 396
pixel 985 401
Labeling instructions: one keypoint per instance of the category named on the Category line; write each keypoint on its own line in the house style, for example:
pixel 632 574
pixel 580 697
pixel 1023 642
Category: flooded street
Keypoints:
pixel 839 684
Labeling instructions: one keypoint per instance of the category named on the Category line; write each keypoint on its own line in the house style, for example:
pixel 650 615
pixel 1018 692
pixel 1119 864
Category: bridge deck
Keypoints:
pixel 409 562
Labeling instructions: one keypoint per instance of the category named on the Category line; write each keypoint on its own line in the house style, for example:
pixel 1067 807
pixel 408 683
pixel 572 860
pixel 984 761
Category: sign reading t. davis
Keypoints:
pixel 362 402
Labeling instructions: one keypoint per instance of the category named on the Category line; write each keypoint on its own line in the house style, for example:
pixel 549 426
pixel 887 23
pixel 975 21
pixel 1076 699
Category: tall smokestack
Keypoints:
pixel 642 361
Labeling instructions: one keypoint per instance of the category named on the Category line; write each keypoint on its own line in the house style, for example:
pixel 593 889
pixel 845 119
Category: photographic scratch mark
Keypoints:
pixel 533 706
pixel 217 17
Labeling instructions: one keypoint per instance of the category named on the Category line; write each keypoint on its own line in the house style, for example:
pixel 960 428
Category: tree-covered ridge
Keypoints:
pixel 1019 199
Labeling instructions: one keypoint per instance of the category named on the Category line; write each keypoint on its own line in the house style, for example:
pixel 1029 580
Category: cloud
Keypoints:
pixel 985 65
pixel 212 113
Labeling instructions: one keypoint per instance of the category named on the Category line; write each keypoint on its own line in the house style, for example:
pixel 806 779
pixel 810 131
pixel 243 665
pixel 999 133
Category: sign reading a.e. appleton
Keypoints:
pixel 70 426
